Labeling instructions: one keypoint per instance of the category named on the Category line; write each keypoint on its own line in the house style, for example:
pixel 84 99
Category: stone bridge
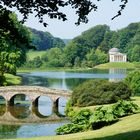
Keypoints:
pixel 33 93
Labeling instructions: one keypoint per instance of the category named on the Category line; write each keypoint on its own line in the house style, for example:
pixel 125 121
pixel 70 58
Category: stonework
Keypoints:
pixel 33 92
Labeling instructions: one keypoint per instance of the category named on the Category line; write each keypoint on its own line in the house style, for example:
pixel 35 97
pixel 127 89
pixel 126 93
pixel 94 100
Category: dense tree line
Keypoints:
pixel 44 40
pixel 92 46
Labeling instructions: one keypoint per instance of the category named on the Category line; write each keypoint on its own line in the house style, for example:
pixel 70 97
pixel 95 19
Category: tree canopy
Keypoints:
pixel 52 8
pixel 14 41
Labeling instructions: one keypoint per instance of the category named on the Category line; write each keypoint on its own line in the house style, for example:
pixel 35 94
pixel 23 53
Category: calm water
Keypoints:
pixel 69 80
pixel 24 125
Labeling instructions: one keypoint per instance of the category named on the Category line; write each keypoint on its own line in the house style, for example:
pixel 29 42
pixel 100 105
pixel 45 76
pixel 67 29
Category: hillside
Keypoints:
pixel 44 40
pixel 89 49
pixel 92 46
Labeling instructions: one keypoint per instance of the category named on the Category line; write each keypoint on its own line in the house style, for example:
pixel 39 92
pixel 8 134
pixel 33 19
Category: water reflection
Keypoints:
pixel 69 80
pixel 24 120
pixel 2 109
pixel 24 112
pixel 8 131
pixel 19 111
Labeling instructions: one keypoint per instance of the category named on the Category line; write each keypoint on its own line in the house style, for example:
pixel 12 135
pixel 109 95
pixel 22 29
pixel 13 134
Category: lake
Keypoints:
pixel 69 80
pixel 52 79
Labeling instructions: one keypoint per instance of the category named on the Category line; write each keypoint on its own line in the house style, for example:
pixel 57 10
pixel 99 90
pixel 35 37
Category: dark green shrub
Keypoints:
pixel 96 92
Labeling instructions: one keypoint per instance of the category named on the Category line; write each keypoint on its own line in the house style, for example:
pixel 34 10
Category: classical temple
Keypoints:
pixel 116 56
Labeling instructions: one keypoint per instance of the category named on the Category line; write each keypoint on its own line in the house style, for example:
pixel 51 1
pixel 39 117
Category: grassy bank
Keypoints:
pixel 118 65
pixel 126 65
pixel 128 128
pixel 32 54
pixel 12 80
pixel 53 69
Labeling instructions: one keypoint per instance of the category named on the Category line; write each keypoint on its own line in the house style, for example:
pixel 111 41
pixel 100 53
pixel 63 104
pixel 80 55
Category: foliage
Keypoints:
pixel 80 122
pixel 96 92
pixel 53 8
pixel 69 111
pixel 135 53
pixel 104 115
pixel 35 63
pixel 133 81
pixel 44 40
pixel 107 115
pixel 90 48
pixel 14 42
pixel 124 108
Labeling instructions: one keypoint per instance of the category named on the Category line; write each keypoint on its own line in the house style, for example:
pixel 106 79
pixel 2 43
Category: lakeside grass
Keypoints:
pixel 126 65
pixel 12 79
pixel 128 128
pixel 28 70
pixel 117 65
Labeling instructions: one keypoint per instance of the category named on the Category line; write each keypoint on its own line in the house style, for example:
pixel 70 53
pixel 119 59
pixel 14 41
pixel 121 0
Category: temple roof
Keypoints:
pixel 114 50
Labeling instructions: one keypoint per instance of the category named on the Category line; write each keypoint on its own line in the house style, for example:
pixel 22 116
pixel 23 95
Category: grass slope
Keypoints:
pixel 32 54
pixel 12 80
pixel 126 65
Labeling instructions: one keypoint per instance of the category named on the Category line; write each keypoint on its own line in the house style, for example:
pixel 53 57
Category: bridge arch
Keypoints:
pixel 21 96
pixel 2 100
pixel 32 92
pixel 45 110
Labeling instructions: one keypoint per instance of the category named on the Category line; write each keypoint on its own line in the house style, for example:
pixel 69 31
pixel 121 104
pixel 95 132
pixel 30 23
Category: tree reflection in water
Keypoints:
pixel 8 131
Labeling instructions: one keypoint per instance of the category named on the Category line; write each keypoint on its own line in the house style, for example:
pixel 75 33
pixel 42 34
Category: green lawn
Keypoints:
pixel 32 54
pixel 126 65
pixel 12 80
pixel 128 128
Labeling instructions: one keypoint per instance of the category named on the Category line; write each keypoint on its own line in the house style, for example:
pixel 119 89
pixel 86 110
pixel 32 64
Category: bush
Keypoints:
pixel 133 81
pixel 80 122
pixel 124 108
pixel 96 92
pixel 103 116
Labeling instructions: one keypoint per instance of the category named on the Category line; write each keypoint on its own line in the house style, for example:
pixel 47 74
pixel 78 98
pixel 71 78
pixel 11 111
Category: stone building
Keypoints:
pixel 116 56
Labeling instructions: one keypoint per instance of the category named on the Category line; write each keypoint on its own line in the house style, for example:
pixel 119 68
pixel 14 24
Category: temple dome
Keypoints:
pixel 114 50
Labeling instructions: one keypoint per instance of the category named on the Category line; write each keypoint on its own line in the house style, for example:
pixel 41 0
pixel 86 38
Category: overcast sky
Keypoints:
pixel 106 10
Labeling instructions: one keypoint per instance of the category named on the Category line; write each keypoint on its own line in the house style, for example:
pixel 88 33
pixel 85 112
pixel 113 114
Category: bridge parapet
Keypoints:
pixel 33 92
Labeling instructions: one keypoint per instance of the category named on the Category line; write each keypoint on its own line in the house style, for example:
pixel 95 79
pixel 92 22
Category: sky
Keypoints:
pixel 106 10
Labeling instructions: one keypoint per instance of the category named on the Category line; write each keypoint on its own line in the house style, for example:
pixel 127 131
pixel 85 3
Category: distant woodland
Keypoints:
pixel 87 50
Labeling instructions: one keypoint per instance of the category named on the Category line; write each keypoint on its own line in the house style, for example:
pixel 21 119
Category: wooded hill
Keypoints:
pixel 90 48
pixel 44 40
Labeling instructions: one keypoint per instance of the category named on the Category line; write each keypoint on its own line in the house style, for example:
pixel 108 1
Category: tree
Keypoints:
pixel 14 41
pixel 135 54
pixel 52 8
pixel 133 81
